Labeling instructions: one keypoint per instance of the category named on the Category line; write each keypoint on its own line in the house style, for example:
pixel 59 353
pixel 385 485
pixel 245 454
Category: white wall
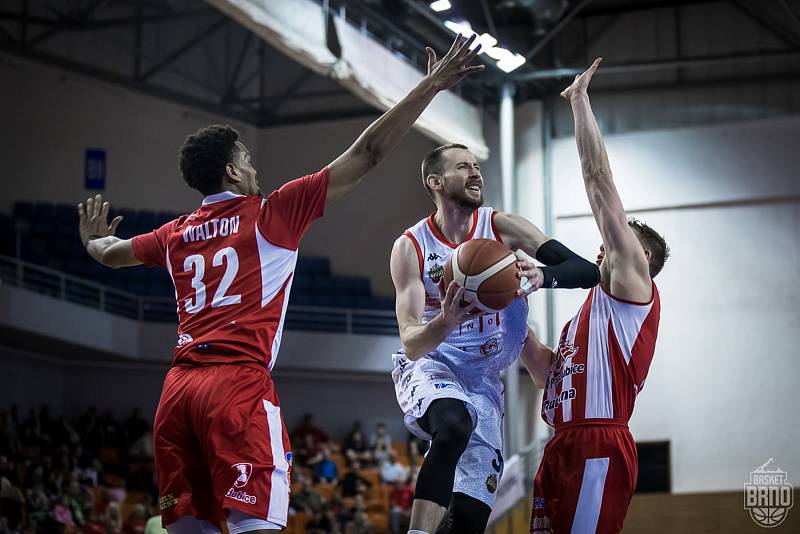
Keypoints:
pixel 55 116
pixel 722 385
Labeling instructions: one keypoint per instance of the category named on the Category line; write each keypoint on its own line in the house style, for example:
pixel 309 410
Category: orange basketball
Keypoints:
pixel 487 269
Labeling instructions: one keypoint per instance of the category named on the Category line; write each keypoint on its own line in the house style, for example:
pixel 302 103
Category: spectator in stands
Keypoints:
pixel 321 523
pixel 136 520
pixel 360 523
pixel 326 470
pixel 11 499
pixel 400 498
pixel 417 447
pixel 306 499
pixel 392 470
pixel 380 443
pixel 135 426
pixel 352 483
pixel 62 514
pixel 307 452
pixel 355 446
pixel 308 427
pixel 113 518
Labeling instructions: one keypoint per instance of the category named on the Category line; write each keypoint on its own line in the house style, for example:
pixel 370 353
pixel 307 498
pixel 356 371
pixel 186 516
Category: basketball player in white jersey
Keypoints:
pixel 588 472
pixel 447 377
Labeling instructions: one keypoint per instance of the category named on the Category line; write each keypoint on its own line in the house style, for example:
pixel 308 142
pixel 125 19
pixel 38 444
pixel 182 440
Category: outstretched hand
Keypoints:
pixel 454 66
pixel 581 83
pixel 533 274
pixel 93 219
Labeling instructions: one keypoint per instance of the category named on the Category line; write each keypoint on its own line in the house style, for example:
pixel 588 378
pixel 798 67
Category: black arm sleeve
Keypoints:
pixel 564 268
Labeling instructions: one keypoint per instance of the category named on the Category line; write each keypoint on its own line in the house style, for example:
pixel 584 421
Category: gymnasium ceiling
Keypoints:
pixel 189 52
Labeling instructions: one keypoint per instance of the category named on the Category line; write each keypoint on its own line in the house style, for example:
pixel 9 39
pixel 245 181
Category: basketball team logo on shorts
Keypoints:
pixel 768 496
pixel 244 470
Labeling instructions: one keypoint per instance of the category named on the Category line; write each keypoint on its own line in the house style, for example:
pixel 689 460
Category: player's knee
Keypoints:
pixel 453 431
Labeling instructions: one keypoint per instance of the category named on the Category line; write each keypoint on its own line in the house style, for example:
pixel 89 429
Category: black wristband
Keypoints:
pixel 564 268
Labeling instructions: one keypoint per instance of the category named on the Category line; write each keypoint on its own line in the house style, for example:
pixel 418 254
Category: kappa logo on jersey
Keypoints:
pixel 183 339
pixel 433 256
pixel 447 385
pixel 245 470
pixel 435 273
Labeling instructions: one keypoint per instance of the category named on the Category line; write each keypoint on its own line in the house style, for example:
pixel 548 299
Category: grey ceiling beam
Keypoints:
pixel 188 45
pixel 230 87
pixel 791 14
pixel 321 116
pixel 657 65
pixel 130 83
pixel 757 15
pixel 555 30
pixel 642 5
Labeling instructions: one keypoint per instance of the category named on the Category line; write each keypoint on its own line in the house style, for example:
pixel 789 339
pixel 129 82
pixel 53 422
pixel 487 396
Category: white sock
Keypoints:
pixel 417 532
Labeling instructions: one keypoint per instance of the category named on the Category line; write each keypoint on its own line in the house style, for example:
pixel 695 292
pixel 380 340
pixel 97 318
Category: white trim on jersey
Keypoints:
pixel 566 384
pixel 590 499
pixel 279 489
pixel 171 277
pixel 599 402
pixel 277 268
pixel 219 197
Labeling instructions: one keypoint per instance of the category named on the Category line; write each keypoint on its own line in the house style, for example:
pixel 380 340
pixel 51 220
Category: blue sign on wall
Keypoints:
pixel 95 169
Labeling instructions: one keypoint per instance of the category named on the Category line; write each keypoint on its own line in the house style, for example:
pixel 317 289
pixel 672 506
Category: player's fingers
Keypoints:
pixel 473 69
pixel 104 211
pixel 81 212
pixel 90 207
pixel 449 295
pixel 454 46
pixel 431 57
pixel 113 226
pixel 463 49
pixel 98 204
pixel 473 53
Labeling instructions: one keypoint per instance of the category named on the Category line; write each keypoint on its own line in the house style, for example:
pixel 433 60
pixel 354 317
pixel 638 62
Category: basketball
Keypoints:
pixel 487 269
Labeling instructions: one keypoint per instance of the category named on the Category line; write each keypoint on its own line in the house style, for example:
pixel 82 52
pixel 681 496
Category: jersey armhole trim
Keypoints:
pixel 413 239
pixel 494 228
pixel 632 302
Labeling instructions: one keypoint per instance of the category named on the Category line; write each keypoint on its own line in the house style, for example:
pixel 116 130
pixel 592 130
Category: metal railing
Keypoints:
pixel 47 281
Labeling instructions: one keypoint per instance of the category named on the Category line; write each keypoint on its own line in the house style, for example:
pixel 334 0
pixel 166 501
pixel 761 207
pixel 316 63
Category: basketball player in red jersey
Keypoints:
pixel 588 472
pixel 221 449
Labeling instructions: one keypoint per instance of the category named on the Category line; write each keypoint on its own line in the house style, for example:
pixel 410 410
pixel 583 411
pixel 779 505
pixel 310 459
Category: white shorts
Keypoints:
pixel 417 384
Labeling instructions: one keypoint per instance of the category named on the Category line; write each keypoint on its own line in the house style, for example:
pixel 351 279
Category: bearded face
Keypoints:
pixel 461 178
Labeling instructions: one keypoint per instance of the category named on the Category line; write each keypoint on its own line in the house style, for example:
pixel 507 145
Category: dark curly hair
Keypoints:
pixel 204 155
pixel 433 163
pixel 652 241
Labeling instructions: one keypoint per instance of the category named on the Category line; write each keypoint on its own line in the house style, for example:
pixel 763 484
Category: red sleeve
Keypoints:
pixel 151 249
pixel 287 213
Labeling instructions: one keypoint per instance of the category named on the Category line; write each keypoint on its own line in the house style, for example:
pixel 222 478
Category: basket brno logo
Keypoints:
pixel 768 496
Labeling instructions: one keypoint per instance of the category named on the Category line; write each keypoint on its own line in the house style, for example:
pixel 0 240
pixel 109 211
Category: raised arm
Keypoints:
pixel 389 129
pixel 627 263
pixel 98 236
pixel 537 359
pixel 420 338
pixel 563 268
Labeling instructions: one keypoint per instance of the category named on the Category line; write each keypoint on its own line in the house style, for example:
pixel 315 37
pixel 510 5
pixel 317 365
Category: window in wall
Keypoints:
pixel 654 468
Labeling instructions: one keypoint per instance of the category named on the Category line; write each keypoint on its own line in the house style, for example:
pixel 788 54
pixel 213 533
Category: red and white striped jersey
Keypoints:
pixel 232 262
pixel 602 359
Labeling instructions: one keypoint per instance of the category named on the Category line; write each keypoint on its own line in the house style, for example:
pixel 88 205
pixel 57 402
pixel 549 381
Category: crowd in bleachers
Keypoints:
pixel 95 475
pixel 92 475
pixel 357 486
pixel 47 234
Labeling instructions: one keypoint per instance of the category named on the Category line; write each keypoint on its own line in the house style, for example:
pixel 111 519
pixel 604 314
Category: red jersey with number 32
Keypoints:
pixel 232 262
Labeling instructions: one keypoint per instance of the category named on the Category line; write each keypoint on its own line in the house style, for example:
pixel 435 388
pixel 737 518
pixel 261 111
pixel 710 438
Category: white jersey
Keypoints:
pixel 465 366
pixel 489 342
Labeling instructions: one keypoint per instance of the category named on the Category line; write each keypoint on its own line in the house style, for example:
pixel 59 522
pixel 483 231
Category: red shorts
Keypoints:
pixel 586 480
pixel 220 443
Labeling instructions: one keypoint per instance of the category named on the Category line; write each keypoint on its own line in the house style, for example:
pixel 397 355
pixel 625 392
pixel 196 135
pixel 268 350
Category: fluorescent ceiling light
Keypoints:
pixel 440 5
pixel 460 26
pixel 511 62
